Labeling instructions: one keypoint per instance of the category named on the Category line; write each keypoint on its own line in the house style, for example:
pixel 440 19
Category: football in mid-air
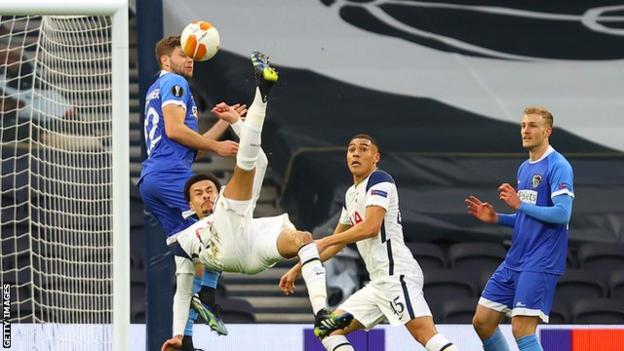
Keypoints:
pixel 200 40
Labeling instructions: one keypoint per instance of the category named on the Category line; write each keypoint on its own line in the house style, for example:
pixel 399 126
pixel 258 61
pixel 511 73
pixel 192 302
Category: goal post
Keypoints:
pixel 96 119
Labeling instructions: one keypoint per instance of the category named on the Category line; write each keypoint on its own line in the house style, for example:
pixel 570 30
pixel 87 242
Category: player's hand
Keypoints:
pixel 241 109
pixel 287 282
pixel 174 343
pixel 226 148
pixel 483 211
pixel 230 114
pixel 507 193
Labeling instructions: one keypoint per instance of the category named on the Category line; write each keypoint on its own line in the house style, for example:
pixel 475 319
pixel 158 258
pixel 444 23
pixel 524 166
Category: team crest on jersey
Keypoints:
pixel 177 91
pixel 536 180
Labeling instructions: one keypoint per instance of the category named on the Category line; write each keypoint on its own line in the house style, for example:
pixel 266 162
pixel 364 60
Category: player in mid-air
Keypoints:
pixel 231 240
pixel 524 284
pixel 172 143
pixel 371 219
pixel 200 192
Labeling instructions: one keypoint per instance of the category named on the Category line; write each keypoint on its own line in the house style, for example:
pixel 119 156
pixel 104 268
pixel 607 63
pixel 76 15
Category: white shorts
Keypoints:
pixel 397 298
pixel 240 243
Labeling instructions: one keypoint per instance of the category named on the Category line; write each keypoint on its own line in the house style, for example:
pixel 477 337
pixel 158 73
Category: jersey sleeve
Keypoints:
pixel 174 90
pixel 561 180
pixel 379 194
pixel 344 217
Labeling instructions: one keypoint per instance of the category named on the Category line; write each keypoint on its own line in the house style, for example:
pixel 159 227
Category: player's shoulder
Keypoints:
pixel 379 176
pixel 172 78
pixel 558 161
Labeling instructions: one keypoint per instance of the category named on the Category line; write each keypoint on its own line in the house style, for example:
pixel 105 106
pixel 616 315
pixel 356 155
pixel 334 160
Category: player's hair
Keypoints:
pixel 367 137
pixel 165 46
pixel 198 178
pixel 542 111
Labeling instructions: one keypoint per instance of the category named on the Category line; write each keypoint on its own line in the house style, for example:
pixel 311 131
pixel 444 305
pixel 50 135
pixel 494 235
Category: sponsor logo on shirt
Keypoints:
pixel 536 180
pixel 528 196
pixel 379 192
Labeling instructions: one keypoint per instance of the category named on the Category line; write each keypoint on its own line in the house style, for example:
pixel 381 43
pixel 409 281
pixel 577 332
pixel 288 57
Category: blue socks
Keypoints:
pixel 210 279
pixel 496 342
pixel 529 343
pixel 188 330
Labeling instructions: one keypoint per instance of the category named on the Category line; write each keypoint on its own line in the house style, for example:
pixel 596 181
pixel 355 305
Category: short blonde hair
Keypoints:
pixel 542 111
pixel 165 46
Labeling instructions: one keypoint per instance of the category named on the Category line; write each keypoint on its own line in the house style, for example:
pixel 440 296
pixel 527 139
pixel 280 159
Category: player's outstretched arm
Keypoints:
pixel 176 130
pixel 363 230
pixel 559 213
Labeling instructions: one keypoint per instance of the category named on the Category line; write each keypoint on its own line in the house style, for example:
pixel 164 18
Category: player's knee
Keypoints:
pixel 521 327
pixel 481 325
pixel 305 238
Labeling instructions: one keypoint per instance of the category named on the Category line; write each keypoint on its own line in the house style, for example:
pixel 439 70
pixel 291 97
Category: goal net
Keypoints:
pixel 57 181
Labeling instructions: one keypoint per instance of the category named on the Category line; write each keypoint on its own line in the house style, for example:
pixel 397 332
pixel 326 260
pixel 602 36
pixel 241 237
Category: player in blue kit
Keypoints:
pixel 524 284
pixel 172 142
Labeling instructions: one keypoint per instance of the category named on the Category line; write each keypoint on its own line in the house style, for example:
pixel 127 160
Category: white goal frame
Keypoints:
pixel 118 10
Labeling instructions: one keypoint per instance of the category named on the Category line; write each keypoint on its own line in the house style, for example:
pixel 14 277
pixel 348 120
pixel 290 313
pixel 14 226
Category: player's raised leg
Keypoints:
pixel 240 186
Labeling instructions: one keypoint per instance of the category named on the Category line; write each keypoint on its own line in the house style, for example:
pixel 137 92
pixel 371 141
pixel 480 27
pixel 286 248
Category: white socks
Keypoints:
pixel 250 132
pixel 313 274
pixel 257 111
pixel 237 127
pixel 439 343
pixel 182 302
pixel 337 343
pixel 248 148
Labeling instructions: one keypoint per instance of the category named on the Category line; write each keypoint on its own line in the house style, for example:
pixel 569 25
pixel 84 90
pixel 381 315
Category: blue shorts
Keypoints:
pixel 520 293
pixel 163 196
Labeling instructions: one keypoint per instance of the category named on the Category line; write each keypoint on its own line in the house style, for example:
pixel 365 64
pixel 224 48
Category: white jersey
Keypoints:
pixel 230 240
pixel 385 254
pixel 195 238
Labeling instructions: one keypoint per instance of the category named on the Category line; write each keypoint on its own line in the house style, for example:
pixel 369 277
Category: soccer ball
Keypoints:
pixel 200 40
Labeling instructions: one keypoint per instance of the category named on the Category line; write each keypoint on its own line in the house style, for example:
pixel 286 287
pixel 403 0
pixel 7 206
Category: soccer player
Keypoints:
pixel 173 142
pixel 524 284
pixel 371 219
pixel 200 192
pixel 231 240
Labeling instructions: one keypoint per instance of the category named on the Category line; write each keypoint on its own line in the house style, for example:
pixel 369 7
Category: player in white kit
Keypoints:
pixel 370 218
pixel 231 240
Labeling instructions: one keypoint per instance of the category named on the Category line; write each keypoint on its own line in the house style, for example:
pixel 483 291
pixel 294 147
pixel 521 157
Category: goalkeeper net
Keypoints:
pixel 56 200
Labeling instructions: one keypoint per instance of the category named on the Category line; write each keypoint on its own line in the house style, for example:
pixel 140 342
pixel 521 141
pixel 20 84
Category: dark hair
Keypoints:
pixel 165 46
pixel 198 178
pixel 367 137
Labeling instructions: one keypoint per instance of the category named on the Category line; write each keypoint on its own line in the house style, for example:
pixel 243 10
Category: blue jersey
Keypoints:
pixel 164 154
pixel 538 246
